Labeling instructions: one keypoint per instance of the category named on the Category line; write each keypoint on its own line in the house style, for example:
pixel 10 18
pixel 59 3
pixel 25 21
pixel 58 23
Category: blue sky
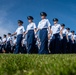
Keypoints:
pixel 12 10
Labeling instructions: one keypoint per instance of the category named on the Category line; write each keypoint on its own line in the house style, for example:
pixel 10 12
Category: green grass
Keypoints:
pixel 37 64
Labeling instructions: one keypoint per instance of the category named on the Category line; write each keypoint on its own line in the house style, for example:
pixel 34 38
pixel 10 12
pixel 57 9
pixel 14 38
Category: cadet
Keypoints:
pixel 9 41
pixel 30 31
pixel 20 31
pixel 63 36
pixel 0 44
pixel 4 40
pixel 43 25
pixel 55 31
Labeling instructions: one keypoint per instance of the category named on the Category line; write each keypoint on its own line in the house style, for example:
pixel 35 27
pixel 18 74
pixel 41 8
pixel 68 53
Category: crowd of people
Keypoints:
pixel 43 39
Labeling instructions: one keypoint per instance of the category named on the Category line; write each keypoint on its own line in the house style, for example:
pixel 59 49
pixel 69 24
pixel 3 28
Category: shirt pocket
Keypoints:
pixel 21 30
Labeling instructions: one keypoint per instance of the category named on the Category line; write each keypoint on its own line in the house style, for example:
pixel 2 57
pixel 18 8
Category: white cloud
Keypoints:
pixel 5 24
pixel 3 31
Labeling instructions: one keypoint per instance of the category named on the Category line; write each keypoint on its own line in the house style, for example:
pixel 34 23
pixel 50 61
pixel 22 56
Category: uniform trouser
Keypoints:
pixel 74 47
pixel 51 45
pixel 18 46
pixel 0 48
pixel 36 49
pixel 55 44
pixel 4 47
pixel 44 41
pixel 24 48
pixel 13 48
pixel 63 44
pixel 69 46
pixel 31 42
pixel 8 47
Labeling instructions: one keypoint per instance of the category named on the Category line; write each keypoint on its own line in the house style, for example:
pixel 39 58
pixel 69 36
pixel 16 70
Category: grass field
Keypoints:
pixel 37 64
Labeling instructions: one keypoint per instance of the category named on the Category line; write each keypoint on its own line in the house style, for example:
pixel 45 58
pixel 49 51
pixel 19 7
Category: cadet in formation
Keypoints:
pixel 19 32
pixel 43 25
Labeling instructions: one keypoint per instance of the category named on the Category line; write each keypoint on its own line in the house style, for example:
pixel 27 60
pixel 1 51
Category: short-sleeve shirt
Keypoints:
pixel 4 40
pixel 20 30
pixel 69 35
pixel 0 42
pixel 9 39
pixel 75 37
pixel 44 24
pixel 56 29
pixel 31 26
pixel 64 31
pixel 14 41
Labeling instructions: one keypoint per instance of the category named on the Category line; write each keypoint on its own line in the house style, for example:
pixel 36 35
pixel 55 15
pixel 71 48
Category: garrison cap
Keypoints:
pixel 20 21
pixel 73 31
pixel 4 35
pixel 9 33
pixel 0 37
pixel 30 17
pixel 68 28
pixel 43 14
pixel 63 24
pixel 55 19
pixel 15 37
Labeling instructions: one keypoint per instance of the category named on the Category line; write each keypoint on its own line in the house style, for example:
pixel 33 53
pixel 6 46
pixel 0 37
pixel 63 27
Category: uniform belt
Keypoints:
pixel 64 35
pixel 19 34
pixel 43 28
pixel 56 34
pixel 31 30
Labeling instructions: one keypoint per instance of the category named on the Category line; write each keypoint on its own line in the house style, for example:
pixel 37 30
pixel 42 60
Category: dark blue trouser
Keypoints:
pixel 31 41
pixel 44 41
pixel 18 46
pixel 55 43
pixel 63 44
pixel 51 46
pixel 4 47
pixel 75 47
pixel 0 48
pixel 69 46
pixel 8 47
pixel 24 48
